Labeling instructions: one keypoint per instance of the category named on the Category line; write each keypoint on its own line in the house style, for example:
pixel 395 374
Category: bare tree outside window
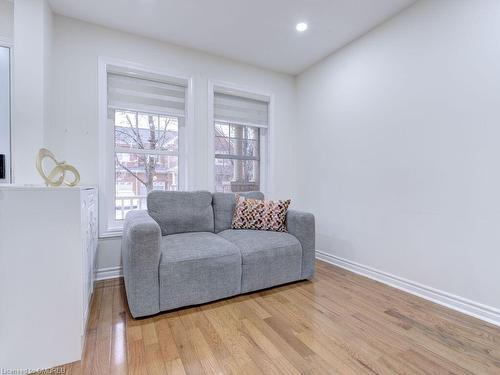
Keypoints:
pixel 146 157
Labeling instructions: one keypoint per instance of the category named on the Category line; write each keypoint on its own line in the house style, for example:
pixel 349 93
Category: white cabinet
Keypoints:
pixel 89 246
pixel 48 242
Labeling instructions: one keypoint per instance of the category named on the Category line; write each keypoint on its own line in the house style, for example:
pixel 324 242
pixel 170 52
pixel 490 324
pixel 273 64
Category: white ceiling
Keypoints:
pixel 258 32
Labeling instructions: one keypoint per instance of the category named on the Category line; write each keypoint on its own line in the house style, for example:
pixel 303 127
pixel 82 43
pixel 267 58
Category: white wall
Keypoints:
pixel 73 134
pixel 30 85
pixel 400 137
pixel 6 20
pixel 5 111
pixel 47 27
pixel 6 39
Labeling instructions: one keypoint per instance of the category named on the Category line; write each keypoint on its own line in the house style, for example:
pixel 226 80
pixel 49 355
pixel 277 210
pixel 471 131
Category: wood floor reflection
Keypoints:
pixel 340 323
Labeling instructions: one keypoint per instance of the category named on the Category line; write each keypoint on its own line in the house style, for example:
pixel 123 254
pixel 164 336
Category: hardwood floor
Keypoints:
pixel 340 323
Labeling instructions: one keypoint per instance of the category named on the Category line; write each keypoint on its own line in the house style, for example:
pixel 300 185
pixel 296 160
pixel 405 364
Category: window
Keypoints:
pixel 240 127
pixel 145 117
pixel 237 157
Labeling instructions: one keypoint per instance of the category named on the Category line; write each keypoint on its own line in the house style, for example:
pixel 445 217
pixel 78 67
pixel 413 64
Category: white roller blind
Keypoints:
pixel 137 94
pixel 239 110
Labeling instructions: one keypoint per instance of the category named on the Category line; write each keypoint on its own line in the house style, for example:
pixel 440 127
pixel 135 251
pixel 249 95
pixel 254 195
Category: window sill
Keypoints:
pixel 111 233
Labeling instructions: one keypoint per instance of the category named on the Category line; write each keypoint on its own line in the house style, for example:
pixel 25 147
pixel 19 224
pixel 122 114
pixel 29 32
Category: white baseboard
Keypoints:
pixel 463 305
pixel 108 273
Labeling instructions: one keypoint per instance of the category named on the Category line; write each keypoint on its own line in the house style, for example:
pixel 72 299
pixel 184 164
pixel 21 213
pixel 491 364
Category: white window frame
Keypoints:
pixel 108 225
pixel 266 135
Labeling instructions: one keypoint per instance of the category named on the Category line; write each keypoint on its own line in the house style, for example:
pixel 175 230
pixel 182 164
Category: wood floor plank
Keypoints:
pixel 298 358
pixel 136 358
pixel 185 347
pixel 215 342
pixel 119 364
pixel 235 341
pixel 338 323
pixel 415 336
pixel 154 359
pixel 166 340
pixel 104 332
pixel 204 353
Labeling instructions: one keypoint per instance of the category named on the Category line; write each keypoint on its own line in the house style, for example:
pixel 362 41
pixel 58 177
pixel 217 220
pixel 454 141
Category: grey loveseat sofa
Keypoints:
pixel 182 252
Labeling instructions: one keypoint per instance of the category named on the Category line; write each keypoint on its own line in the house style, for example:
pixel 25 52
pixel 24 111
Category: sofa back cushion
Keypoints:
pixel 181 211
pixel 224 204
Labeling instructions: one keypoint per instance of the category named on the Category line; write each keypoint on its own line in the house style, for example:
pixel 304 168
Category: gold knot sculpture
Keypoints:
pixel 57 176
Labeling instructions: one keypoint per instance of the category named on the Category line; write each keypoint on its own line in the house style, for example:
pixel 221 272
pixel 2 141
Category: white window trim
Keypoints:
pixel 108 226
pixel 266 159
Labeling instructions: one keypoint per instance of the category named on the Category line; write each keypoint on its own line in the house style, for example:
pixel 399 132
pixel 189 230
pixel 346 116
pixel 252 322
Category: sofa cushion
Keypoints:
pixel 224 204
pixel 196 268
pixel 181 211
pixel 268 258
pixel 260 214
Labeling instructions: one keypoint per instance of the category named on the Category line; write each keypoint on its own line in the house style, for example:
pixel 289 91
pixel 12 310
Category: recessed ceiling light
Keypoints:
pixel 301 26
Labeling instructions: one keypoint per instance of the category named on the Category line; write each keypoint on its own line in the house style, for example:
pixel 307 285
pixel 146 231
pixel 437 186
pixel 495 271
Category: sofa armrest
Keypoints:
pixel 141 258
pixel 301 225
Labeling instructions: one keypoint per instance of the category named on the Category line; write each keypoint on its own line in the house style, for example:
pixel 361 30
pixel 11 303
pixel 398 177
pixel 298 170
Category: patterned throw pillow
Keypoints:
pixel 260 214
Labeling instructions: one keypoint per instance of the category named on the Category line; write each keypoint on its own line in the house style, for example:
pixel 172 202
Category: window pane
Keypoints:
pixel 221 130
pixel 243 141
pixel 138 174
pixel 223 175
pixel 244 148
pixel 253 133
pixel 250 171
pixel 221 145
pixel 232 175
pixel 146 131
pixel 238 131
pixel 168 133
pixel 235 147
pixel 244 132
pixel 250 148
pixel 235 172
pixel 234 131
